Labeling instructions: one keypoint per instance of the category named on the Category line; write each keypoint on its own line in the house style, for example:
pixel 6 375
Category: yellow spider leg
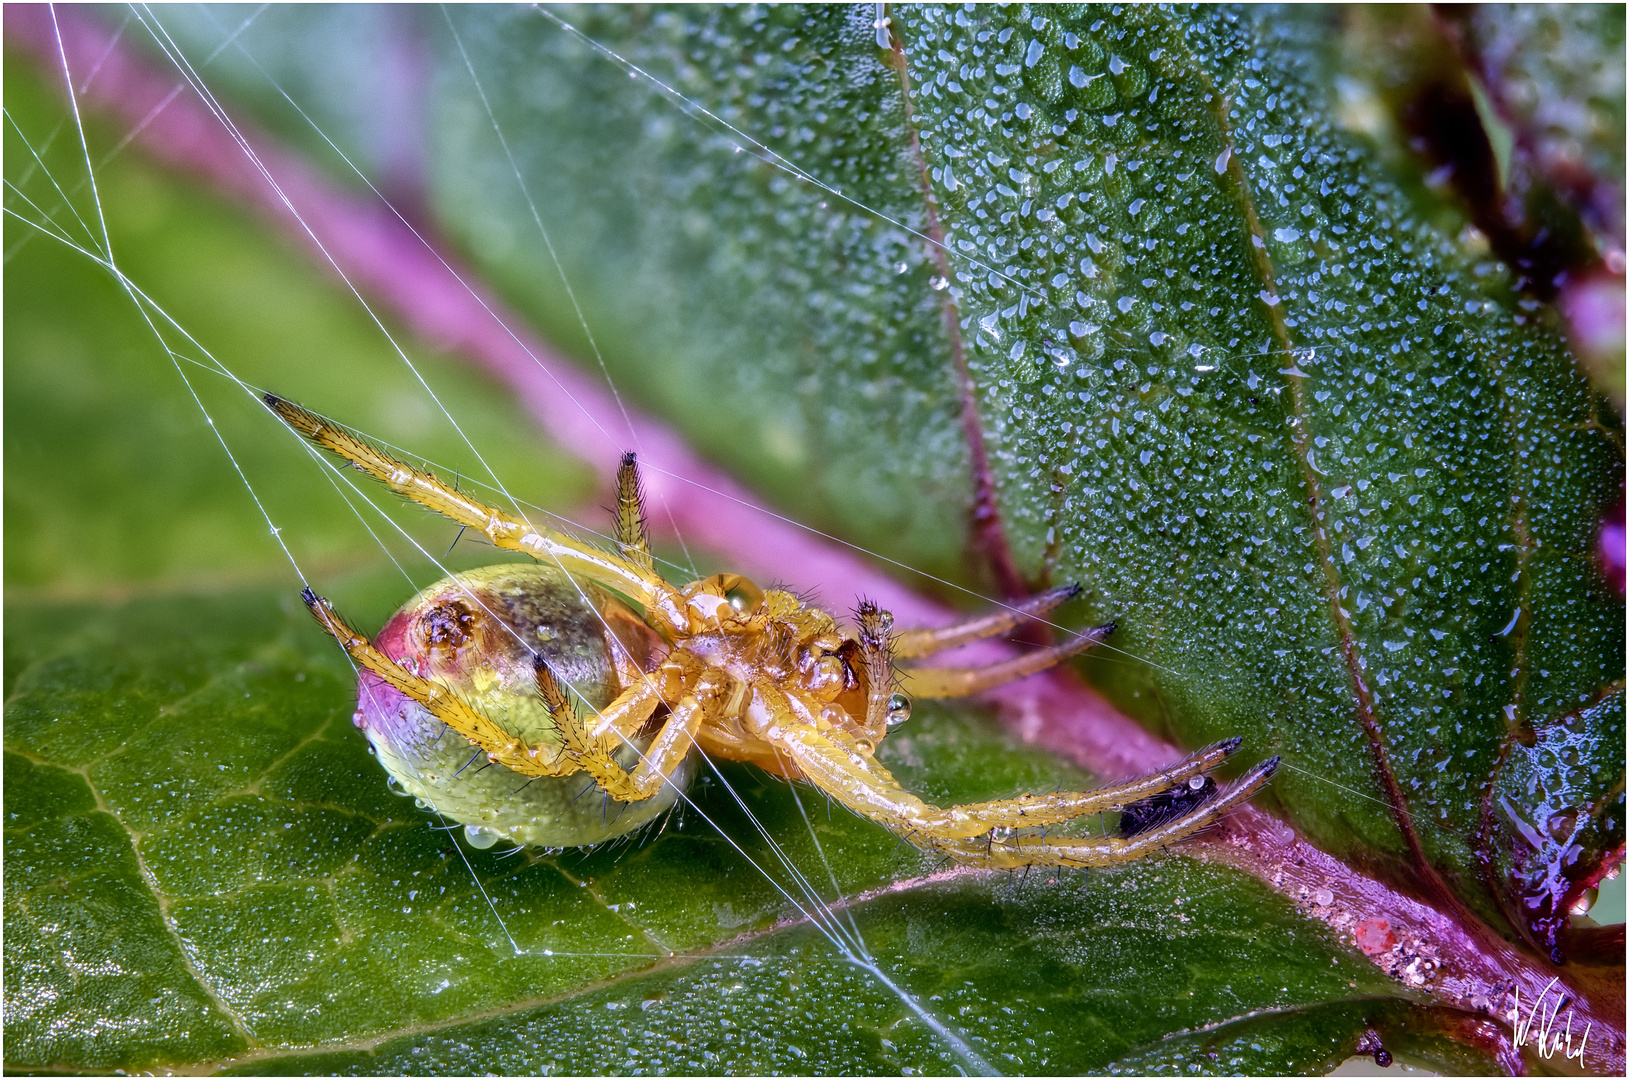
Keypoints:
pixel 876 654
pixel 664 605
pixel 834 762
pixel 632 538
pixel 616 723
pixel 1028 811
pixel 665 754
pixel 950 682
pixel 444 705
pixel 1007 853
pixel 925 642
pixel 627 714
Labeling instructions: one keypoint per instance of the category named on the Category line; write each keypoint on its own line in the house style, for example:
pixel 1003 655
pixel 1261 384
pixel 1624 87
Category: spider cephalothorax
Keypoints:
pixel 542 671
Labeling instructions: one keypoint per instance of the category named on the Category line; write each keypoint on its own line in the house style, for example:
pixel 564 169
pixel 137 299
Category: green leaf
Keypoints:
pixel 303 906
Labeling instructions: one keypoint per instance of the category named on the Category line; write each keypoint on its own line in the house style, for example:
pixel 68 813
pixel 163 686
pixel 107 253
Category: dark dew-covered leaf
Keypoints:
pixel 1335 480
pixel 313 909
pixel 94 977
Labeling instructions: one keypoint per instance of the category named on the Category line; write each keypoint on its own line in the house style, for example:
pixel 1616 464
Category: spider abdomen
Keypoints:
pixel 482 634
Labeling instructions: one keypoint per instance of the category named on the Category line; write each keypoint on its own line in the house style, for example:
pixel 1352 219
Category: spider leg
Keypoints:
pixel 877 656
pixel 1015 851
pixel 925 642
pixel 949 682
pixel 446 706
pixel 664 605
pixel 1054 807
pixel 614 724
pixel 672 744
pixel 632 537
pixel 836 763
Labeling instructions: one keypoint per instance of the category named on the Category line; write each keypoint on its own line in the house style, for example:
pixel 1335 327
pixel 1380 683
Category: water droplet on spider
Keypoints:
pixel 479 836
pixel 939 282
pixel 899 710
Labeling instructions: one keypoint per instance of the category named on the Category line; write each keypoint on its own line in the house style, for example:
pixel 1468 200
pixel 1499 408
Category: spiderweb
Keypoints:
pixel 805 876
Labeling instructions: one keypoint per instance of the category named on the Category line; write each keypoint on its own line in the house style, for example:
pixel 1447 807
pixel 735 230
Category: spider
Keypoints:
pixel 720 664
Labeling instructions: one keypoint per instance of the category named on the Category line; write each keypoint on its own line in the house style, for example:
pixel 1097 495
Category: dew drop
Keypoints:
pixel 479 836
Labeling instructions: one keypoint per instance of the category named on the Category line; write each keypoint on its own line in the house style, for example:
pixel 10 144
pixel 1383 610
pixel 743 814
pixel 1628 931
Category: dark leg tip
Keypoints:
pixel 629 458
pixel 271 399
pixel 308 596
pixel 1106 629
pixel 1229 746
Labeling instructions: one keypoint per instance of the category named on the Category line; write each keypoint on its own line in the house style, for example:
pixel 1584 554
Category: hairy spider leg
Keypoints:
pixel 925 642
pixel 672 744
pixel 951 682
pixel 1011 852
pixel 835 762
pixel 664 605
pixel 876 655
pixel 632 537
pixel 442 703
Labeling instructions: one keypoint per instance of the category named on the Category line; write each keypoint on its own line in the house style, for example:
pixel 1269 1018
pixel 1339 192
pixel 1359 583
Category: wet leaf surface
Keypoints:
pixel 303 905
pixel 1335 484
pixel 203 865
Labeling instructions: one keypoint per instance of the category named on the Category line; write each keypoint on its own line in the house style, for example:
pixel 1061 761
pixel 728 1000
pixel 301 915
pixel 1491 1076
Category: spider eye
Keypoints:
pixel 899 710
pixel 744 597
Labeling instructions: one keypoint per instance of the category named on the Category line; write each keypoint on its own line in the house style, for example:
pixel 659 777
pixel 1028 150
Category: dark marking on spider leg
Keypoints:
pixel 1154 811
